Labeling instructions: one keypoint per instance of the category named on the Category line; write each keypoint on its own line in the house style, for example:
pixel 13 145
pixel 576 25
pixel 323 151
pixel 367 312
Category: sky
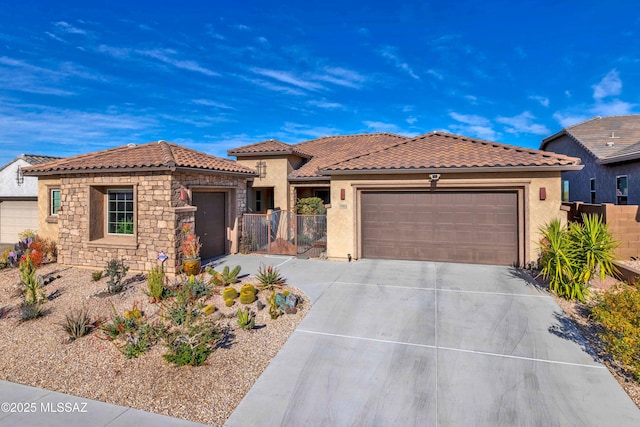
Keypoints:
pixel 81 76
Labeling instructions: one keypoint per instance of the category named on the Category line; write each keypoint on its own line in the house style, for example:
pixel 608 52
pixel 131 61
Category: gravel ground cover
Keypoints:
pixel 35 353
pixel 579 314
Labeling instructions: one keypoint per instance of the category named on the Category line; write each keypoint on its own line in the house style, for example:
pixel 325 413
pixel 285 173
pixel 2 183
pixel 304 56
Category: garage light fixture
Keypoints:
pixel 19 176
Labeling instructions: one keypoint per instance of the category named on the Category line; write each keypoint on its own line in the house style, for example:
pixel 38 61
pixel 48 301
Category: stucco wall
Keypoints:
pixel 342 217
pixel 161 210
pixel 278 169
pixel 605 175
pixel 9 186
pixel 47 225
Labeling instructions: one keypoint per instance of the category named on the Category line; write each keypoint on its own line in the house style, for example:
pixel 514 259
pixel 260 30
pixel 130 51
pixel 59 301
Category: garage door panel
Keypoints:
pixel 475 227
pixel 15 217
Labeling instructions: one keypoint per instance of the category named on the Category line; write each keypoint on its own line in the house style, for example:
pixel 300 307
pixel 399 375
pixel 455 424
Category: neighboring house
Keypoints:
pixel 287 173
pixel 131 202
pixel 18 197
pixel 437 197
pixel 610 151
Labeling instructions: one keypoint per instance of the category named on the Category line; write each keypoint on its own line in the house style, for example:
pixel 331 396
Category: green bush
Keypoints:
pixel 192 344
pixel 310 206
pixel 246 319
pixel 33 292
pixel 115 270
pixel 131 334
pixel 570 256
pixel 618 311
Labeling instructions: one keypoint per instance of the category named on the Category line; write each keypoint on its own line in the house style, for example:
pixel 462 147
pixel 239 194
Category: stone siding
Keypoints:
pixel 161 211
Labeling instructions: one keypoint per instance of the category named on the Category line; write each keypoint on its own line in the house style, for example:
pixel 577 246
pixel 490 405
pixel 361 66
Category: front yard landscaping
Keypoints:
pixel 137 340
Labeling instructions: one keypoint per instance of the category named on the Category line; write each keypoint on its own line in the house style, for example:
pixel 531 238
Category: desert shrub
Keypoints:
pixel 198 286
pixel 30 310
pixel 27 233
pixel 310 206
pixel 78 323
pixel 96 275
pixel 225 277
pixel 130 333
pixel 181 307
pixel 570 256
pixel 155 283
pixel 192 344
pixel 115 270
pixel 269 277
pixel 618 311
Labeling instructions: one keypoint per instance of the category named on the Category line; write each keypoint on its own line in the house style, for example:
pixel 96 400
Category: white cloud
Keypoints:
pixel 289 78
pixel 411 120
pixel 543 100
pixel 470 119
pixel 389 53
pixel 613 108
pixel 161 55
pixel 435 74
pixel 381 126
pixel 68 28
pixel 567 120
pixel 274 87
pixel 326 105
pixel 523 123
pixel 610 85
pixel 341 77
pixel 53 36
pixel 210 103
pixel 472 99
pixel 304 131
pixel 116 52
pixel 474 126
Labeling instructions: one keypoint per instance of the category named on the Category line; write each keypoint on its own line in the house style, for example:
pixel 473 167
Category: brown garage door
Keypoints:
pixel 471 227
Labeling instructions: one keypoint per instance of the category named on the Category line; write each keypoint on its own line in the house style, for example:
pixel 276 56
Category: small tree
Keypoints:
pixel 310 206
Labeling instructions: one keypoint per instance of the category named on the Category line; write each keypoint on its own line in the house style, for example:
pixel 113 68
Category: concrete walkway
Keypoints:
pixel 397 343
pixel 429 344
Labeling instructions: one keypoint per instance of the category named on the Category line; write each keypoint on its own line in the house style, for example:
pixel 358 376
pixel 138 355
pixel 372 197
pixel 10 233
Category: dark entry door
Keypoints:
pixel 211 223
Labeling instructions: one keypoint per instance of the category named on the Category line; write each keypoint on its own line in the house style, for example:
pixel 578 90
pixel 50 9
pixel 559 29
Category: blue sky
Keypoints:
pixel 79 76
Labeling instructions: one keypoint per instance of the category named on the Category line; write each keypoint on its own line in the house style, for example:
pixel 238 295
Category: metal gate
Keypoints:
pixel 284 233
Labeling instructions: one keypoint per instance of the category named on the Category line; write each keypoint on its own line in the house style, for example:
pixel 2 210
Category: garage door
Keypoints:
pixel 470 227
pixel 15 217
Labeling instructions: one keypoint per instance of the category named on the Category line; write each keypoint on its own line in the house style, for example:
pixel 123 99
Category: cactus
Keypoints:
pixel 209 309
pixel 247 297
pixel 229 302
pixel 225 278
pixel 249 288
pixel 229 293
pixel 33 292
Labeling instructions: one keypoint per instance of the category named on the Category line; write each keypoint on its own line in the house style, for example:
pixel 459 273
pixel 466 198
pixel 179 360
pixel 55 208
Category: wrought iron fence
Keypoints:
pixel 284 233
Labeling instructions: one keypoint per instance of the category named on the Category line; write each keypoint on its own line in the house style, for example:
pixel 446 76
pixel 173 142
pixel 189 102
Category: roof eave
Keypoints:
pixel 270 154
pixel 216 171
pixel 619 159
pixel 307 178
pixel 51 172
pixel 548 168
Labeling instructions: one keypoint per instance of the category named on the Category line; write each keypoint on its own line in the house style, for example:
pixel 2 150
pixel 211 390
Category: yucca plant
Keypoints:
pixel 595 246
pixel 558 262
pixel 269 277
pixel 246 319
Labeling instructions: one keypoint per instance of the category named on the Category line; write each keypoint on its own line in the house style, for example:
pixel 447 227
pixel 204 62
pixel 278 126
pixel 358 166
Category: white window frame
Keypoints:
pixel 53 209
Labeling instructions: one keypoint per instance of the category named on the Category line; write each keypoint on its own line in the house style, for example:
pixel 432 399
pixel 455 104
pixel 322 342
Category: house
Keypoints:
pixel 437 197
pixel 18 197
pixel 131 202
pixel 609 148
pixel 287 173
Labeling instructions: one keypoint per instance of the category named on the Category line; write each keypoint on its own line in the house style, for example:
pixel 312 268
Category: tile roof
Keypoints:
pixel 36 159
pixel 333 149
pixel 270 146
pixel 160 155
pixel 606 138
pixel 440 150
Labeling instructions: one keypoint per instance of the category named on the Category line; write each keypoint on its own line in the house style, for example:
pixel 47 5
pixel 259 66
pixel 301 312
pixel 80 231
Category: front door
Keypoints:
pixel 211 223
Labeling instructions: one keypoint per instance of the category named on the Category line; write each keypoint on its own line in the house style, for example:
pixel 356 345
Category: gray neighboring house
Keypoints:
pixel 19 197
pixel 610 151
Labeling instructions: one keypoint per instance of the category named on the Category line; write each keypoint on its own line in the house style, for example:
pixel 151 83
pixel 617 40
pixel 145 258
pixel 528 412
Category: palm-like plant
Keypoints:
pixel 596 247
pixel 557 261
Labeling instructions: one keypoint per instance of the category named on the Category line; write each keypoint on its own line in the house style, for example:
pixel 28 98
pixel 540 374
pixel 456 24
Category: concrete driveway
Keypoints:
pixel 428 344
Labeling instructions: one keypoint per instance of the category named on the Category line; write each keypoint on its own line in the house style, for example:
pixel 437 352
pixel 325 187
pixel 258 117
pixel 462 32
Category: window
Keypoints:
pixel 325 195
pixel 120 211
pixel 622 190
pixel 259 201
pixel 592 187
pixel 565 190
pixel 55 201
